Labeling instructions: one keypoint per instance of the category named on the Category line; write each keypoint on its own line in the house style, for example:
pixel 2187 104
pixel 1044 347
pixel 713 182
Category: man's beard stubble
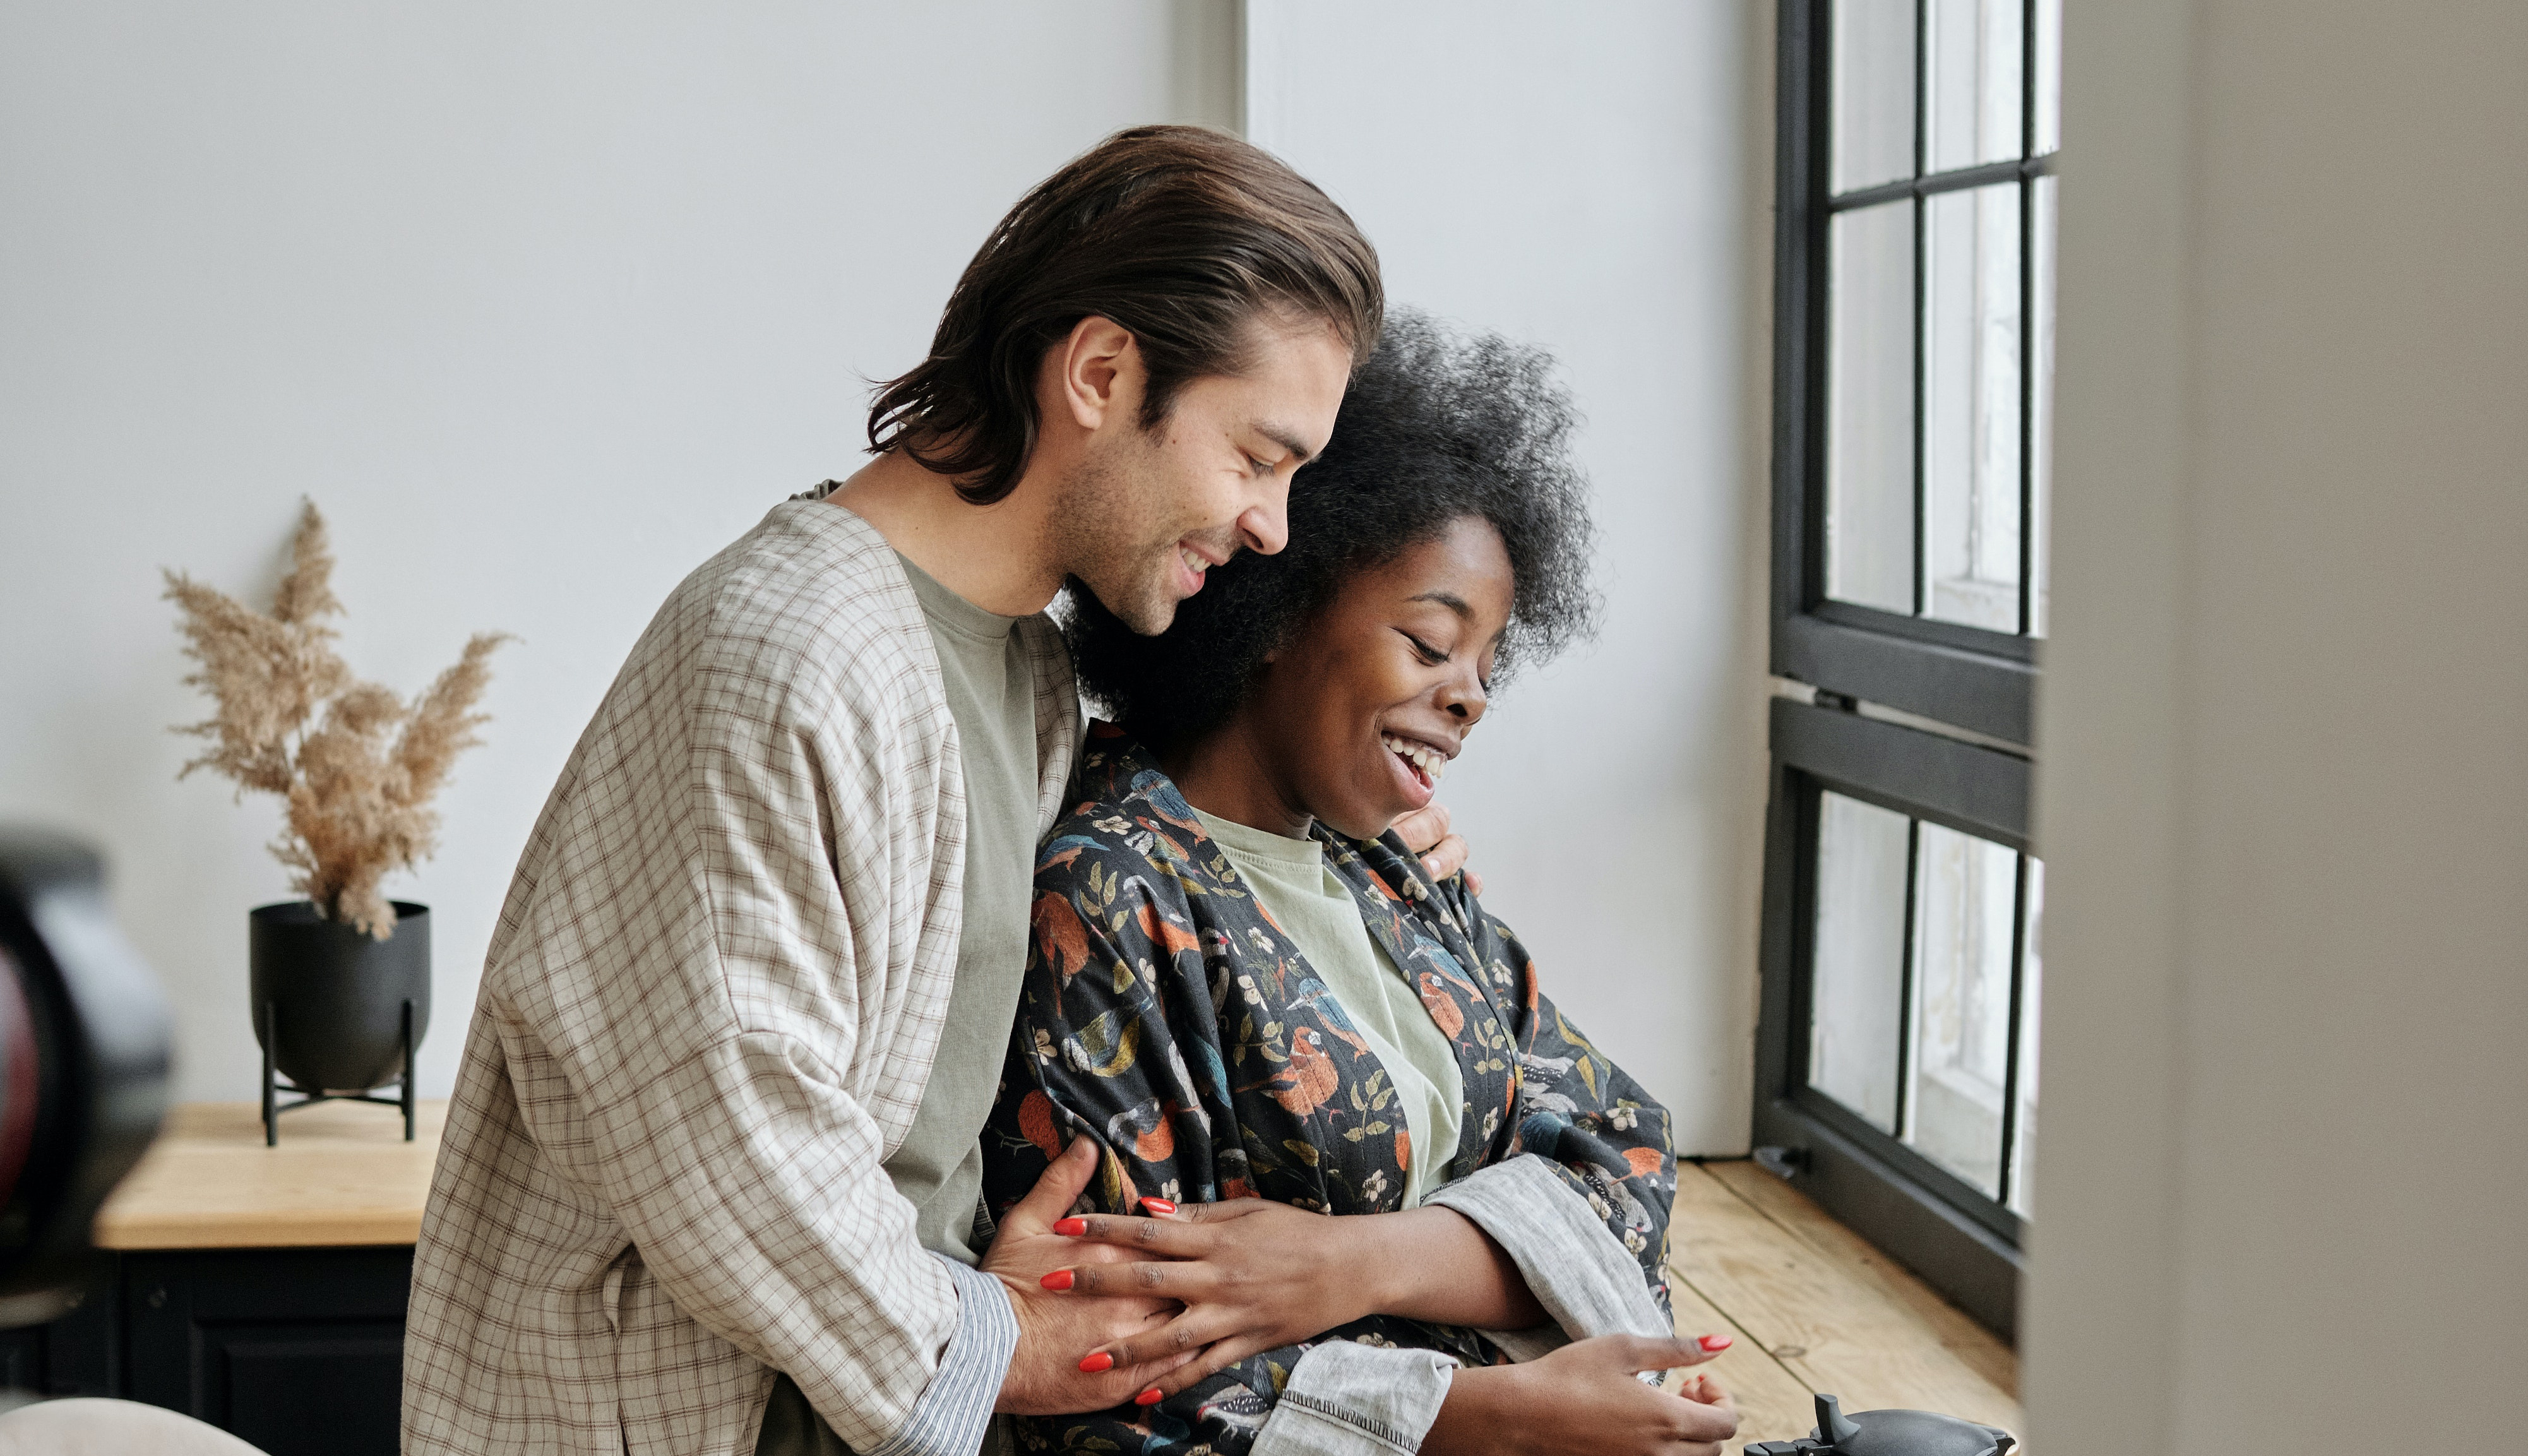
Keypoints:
pixel 1104 533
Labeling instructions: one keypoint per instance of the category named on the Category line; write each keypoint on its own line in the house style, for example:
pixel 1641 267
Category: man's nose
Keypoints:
pixel 1264 527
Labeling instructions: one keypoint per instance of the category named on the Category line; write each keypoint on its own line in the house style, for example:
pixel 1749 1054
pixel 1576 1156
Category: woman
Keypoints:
pixel 1260 1005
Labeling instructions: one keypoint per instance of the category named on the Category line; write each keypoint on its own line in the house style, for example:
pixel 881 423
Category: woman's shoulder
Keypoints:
pixel 1126 814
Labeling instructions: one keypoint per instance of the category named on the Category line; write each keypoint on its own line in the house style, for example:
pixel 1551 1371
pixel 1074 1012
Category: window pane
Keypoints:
pixel 1873 92
pixel 1971 404
pixel 2049 75
pixel 1965 920
pixel 2041 405
pixel 2031 979
pixel 1855 1026
pixel 1974 87
pixel 1870 408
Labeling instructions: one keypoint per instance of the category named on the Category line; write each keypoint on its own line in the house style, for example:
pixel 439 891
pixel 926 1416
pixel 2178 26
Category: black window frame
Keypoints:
pixel 1968 768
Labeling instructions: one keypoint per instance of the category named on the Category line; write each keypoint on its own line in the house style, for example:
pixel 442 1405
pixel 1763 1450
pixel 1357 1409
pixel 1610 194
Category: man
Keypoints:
pixel 709 1179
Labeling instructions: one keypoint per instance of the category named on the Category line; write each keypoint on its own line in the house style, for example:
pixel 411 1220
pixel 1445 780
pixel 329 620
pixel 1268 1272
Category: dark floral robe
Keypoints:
pixel 1165 1016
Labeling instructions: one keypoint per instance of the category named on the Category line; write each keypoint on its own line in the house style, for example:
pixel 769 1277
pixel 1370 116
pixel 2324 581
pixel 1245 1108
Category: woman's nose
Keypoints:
pixel 1464 698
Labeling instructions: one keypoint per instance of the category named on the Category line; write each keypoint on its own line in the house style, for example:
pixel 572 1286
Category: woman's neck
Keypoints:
pixel 1223 775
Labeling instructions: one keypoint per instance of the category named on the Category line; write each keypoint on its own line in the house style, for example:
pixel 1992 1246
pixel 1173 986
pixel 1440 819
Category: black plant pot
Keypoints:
pixel 339 1013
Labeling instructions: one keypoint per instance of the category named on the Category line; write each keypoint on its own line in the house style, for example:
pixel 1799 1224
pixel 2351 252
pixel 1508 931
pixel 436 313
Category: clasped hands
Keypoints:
pixel 1181 1294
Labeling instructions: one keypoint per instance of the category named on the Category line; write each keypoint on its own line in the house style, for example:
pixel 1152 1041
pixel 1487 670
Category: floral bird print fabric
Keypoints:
pixel 1165 1014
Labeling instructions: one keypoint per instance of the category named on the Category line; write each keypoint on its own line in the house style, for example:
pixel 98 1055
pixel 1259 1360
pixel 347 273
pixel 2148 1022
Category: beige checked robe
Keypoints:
pixel 706 1020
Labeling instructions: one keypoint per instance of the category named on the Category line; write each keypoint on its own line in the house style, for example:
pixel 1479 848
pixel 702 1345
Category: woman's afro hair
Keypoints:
pixel 1438 426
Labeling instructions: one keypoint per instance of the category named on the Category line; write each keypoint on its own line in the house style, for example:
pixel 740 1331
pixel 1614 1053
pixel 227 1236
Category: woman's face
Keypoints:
pixel 1357 718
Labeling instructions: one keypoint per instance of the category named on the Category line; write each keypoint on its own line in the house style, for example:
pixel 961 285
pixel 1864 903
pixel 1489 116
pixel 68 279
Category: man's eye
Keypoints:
pixel 1262 468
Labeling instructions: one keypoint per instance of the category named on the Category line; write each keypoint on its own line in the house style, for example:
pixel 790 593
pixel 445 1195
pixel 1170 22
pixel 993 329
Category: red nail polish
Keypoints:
pixel 1060 1278
pixel 1716 1343
pixel 1150 1396
pixel 1070 1226
pixel 1158 1206
pixel 1101 1360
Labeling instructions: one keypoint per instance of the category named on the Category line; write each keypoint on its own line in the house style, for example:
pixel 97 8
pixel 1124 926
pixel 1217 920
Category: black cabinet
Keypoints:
pixel 294 1350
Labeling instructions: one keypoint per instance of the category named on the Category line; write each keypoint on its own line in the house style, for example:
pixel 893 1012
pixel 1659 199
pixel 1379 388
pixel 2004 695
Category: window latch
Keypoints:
pixel 1785 1164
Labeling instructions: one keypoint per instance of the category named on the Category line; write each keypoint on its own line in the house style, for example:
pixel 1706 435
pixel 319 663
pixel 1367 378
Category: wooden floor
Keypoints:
pixel 1814 1308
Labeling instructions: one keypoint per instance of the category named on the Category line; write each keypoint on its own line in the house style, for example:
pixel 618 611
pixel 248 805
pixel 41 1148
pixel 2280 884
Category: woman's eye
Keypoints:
pixel 1425 651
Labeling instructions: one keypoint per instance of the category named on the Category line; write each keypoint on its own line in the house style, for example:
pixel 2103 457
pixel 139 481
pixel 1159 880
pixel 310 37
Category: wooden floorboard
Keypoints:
pixel 1773 1403
pixel 1815 1308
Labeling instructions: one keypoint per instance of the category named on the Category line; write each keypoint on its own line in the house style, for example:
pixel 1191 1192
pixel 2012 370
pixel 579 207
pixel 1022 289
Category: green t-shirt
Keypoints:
pixel 1319 915
pixel 991 695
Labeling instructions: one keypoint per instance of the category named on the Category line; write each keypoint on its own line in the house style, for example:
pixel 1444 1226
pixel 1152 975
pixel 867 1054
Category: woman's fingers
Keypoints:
pixel 1151 1372
pixel 1208 1361
pixel 1708 1421
pixel 1168 1239
pixel 1184 1335
pixel 1183 1282
pixel 1214 1213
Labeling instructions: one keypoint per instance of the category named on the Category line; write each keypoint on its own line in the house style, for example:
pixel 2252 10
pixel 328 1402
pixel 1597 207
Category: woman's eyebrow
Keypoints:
pixel 1449 599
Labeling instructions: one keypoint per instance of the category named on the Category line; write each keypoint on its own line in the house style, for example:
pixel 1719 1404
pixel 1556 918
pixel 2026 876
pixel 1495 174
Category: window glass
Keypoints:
pixel 1976 60
pixel 1869 409
pixel 2040 401
pixel 1856 1022
pixel 1965 925
pixel 2049 75
pixel 2031 981
pixel 1970 406
pixel 1873 92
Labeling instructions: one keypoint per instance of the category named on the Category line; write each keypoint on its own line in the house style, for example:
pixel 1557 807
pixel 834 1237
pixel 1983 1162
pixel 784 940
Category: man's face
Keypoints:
pixel 1148 512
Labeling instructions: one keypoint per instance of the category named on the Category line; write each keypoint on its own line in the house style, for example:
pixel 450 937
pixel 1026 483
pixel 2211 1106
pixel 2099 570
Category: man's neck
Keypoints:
pixel 992 555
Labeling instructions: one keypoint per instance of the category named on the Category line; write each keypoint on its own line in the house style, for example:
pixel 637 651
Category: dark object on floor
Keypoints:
pixel 339 1013
pixel 83 1043
pixel 1889 1434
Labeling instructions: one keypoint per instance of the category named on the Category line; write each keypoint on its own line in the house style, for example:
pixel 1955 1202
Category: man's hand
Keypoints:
pixel 1582 1400
pixel 1047 1377
pixel 1425 832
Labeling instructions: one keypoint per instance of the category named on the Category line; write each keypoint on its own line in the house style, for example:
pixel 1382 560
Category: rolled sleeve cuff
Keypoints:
pixel 1347 1399
pixel 956 1408
pixel 1587 1281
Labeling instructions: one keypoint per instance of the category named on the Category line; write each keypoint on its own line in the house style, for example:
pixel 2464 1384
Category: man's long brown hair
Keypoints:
pixel 1180 234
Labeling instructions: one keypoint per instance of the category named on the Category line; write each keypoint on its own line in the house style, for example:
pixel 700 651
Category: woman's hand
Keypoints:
pixel 1253 1275
pixel 1582 1400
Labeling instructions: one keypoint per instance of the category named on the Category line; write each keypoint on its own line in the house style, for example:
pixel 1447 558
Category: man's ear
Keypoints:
pixel 1098 371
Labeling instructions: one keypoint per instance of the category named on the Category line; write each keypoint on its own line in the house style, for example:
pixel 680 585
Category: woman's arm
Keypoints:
pixel 1257 1276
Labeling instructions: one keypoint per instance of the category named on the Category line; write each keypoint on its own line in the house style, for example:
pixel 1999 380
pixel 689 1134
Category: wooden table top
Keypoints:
pixel 342 1175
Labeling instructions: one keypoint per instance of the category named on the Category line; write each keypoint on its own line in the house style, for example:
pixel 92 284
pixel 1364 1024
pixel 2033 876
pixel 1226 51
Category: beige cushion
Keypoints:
pixel 111 1427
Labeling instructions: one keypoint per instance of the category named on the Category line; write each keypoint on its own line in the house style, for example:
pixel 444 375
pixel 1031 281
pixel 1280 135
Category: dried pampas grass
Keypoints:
pixel 357 764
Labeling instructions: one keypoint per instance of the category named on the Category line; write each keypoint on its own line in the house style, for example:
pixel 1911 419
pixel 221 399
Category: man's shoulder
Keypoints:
pixel 812 593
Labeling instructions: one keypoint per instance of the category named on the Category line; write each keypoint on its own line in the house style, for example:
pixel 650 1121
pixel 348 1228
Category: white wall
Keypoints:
pixel 1597 180
pixel 2285 783
pixel 541 305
